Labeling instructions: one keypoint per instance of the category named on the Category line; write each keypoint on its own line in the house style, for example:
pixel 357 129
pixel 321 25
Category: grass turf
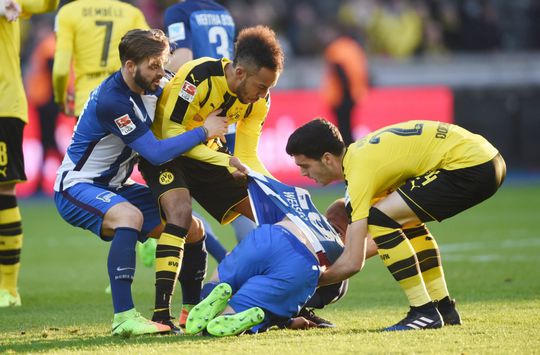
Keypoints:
pixel 490 255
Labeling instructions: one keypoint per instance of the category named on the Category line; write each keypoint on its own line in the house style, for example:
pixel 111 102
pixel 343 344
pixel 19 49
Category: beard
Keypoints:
pixel 141 82
pixel 241 93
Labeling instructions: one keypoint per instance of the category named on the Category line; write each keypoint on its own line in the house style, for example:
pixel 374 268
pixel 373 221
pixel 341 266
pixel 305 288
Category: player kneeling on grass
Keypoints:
pixel 274 271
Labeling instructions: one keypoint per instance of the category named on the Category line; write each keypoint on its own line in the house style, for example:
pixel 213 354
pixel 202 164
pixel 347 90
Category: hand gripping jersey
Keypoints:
pixel 203 26
pixel 272 201
pixel 112 118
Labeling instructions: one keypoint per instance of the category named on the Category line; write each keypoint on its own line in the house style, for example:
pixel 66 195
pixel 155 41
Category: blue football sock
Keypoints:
pixel 214 247
pixel 121 266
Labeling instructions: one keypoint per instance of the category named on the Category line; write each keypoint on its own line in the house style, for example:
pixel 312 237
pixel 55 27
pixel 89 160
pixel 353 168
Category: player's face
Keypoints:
pixel 149 73
pixel 316 170
pixel 255 86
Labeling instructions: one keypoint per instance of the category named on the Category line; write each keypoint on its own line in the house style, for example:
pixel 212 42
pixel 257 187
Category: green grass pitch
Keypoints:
pixel 491 256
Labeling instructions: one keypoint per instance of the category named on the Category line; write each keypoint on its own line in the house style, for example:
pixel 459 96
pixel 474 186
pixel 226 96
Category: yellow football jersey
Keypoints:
pixel 12 98
pixel 383 160
pixel 198 89
pixel 89 31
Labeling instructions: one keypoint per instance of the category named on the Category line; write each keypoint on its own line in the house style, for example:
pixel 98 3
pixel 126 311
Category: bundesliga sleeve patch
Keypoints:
pixel 125 124
pixel 177 32
pixel 188 91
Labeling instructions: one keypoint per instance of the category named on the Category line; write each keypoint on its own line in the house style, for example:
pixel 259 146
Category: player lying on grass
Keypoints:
pixel 422 171
pixel 274 271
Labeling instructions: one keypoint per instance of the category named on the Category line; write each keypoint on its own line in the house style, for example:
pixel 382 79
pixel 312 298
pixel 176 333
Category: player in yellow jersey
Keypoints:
pixel 13 117
pixel 238 90
pixel 88 33
pixel 421 171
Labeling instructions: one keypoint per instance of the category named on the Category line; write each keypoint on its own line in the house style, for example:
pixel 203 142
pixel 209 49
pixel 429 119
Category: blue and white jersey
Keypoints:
pixel 112 118
pixel 203 26
pixel 272 200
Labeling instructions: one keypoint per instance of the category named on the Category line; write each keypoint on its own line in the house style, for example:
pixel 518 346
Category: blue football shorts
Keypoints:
pixel 84 205
pixel 270 269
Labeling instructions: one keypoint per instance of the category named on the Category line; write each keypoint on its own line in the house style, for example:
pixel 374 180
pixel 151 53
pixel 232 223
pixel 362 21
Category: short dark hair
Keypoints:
pixel 137 45
pixel 315 138
pixel 258 47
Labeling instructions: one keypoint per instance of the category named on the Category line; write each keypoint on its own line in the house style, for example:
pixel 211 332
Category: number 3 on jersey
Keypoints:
pixel 217 35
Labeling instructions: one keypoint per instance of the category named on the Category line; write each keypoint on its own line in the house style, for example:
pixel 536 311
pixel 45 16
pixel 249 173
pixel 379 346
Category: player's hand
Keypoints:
pixel 11 10
pixel 301 323
pixel 216 126
pixel 240 167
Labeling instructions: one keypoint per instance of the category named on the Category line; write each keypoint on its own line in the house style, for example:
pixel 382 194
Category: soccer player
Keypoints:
pixel 422 171
pixel 239 90
pixel 87 34
pixel 93 189
pixel 198 28
pixel 274 271
pixel 13 117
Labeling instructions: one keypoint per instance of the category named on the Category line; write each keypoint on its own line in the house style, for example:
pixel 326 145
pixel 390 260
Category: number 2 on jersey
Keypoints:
pixel 416 131
pixel 106 41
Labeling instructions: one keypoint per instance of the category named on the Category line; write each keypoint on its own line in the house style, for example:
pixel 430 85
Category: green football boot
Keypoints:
pixel 208 308
pixel 235 324
pixel 147 252
pixel 8 300
pixel 131 323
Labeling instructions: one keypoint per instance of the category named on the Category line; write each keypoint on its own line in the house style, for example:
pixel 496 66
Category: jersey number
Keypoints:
pixel 218 34
pixel 3 154
pixel 106 42
pixel 416 131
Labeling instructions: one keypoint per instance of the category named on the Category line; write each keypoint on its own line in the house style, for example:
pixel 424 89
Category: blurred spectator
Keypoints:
pixel 346 77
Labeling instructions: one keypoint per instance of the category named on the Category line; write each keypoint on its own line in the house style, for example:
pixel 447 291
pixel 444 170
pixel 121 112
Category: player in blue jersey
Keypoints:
pixel 273 272
pixel 93 190
pixel 199 28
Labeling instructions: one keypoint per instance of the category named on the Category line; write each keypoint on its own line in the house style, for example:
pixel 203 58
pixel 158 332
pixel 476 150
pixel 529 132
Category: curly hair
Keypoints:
pixel 259 47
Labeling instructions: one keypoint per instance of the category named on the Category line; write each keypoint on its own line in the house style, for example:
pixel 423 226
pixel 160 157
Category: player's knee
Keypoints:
pixel 177 209
pixel 196 231
pixel 123 215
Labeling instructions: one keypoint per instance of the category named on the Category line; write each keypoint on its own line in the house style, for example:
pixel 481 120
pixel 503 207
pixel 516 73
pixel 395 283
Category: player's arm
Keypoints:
pixel 62 57
pixel 248 133
pixel 352 259
pixel 38 6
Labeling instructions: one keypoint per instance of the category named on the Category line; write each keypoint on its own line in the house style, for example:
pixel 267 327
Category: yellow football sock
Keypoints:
pixel 398 255
pixel 11 238
pixel 429 257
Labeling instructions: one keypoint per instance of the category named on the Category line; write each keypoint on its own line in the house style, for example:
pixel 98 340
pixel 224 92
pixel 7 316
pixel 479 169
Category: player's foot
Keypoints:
pixel 208 308
pixel 184 315
pixel 234 324
pixel 448 311
pixel 147 252
pixel 131 322
pixel 108 289
pixel 8 300
pixel 311 316
pixel 169 322
pixel 428 319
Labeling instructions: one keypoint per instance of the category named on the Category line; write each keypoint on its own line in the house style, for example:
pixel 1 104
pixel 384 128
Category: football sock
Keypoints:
pixel 429 257
pixel 214 246
pixel 399 257
pixel 193 272
pixel 121 266
pixel 11 239
pixel 169 255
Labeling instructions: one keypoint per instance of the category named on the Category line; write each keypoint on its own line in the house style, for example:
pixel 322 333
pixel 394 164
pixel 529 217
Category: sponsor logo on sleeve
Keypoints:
pixel 125 124
pixel 177 32
pixel 188 91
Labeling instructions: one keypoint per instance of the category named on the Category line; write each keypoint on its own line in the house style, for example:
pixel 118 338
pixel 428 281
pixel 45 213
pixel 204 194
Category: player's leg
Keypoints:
pixel 111 216
pixel 212 243
pixel 242 227
pixel 11 236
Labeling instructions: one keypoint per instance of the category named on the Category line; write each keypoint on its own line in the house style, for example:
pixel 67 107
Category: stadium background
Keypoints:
pixel 473 62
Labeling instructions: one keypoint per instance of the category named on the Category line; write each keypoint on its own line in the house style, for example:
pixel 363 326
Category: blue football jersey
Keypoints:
pixel 273 200
pixel 112 118
pixel 203 26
